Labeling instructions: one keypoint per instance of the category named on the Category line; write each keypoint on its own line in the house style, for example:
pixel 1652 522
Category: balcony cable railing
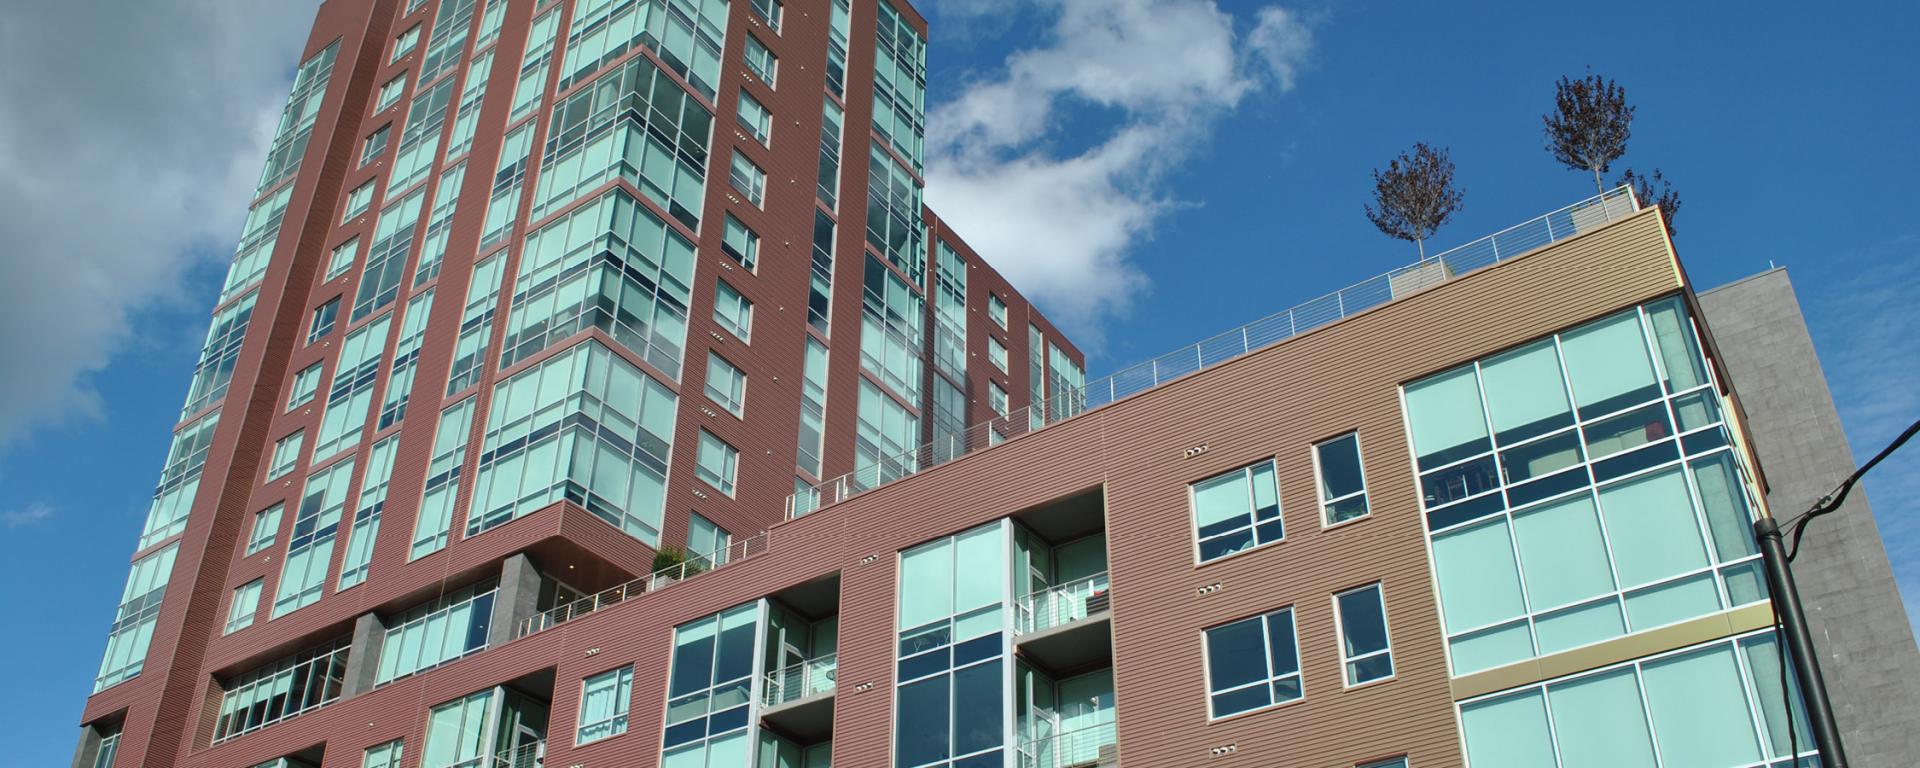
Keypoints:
pixel 798 681
pixel 1089 746
pixel 694 565
pixel 1576 219
pixel 1069 602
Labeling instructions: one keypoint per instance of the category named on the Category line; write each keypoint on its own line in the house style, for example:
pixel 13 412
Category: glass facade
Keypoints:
pixel 436 632
pixel 179 480
pixel 350 398
pixel 686 34
pixel 286 687
pixel 133 623
pixel 1236 510
pixel 1580 488
pixel 893 215
pixel 613 265
pixel 215 370
pixel 900 85
pixel 365 528
pixel 1718 704
pixel 1253 663
pixel 709 691
pixel 257 236
pixel 632 123
pixel 290 136
pixel 884 438
pixel 316 524
pixel 892 329
pixel 435 517
pixel 585 426
pixel 951 684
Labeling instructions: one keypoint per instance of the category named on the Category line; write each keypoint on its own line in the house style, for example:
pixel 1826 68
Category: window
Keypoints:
pixel 760 61
pixel 365 528
pixel 997 352
pixel 895 228
pixel 1364 648
pixel 634 122
pixel 374 145
pixel 1397 762
pixel 732 311
pixel 754 117
pixel 286 453
pixel 305 384
pixel 384 755
pixel 716 462
pixel 358 201
pixel 1253 663
pixel 1720 703
pixel 323 317
pixel 603 705
pixel 708 690
pixel 280 689
pixel 343 258
pixel 109 748
pixel 813 407
pixel 748 179
pixel 899 84
pixel 950 688
pixel 350 398
pixel 1237 510
pixel 885 437
pixel 831 118
pixel 435 632
pixel 179 480
pixel 266 527
pixel 1557 523
pixel 303 572
pixel 892 330
pixel 768 11
pixel 390 92
pixel 133 623
pixel 387 257
pixel 997 310
pixel 726 385
pixel 740 243
pixel 1343 489
pixel 582 424
pixel 404 43
pixel 997 398
pixel 246 601
pixel 687 38
pixel 706 541
pixel 434 518
pixel 218 354
pixel 461 733
pixel 289 145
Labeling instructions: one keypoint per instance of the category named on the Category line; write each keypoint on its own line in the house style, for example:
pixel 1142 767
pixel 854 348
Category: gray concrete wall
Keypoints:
pixel 1860 625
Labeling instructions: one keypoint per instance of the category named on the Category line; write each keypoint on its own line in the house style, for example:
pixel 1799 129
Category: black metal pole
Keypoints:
pixel 1806 664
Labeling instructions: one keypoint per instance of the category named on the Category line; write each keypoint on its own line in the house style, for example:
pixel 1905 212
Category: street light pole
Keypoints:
pixel 1800 651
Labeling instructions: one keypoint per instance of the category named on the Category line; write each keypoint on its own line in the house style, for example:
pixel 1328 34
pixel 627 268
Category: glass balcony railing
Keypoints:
pixel 1064 604
pixel 798 681
pixel 1577 219
pixel 1088 746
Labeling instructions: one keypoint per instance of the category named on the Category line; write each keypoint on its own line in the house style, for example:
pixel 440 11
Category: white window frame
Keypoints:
pixel 1320 484
pixel 1340 638
pixel 1266 650
pixel 1193 515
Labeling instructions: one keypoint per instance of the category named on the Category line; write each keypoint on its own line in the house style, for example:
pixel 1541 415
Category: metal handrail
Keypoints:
pixel 1576 219
pixel 1064 603
pixel 693 565
pixel 798 681
pixel 1089 746
pixel 524 756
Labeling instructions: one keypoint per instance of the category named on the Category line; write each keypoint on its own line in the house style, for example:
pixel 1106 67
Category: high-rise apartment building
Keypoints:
pixel 1492 509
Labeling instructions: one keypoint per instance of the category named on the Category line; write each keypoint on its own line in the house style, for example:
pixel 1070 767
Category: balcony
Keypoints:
pixel 801 666
pixel 694 565
pixel 797 700
pixel 1067 628
pixel 1580 218
pixel 532 755
pixel 1079 748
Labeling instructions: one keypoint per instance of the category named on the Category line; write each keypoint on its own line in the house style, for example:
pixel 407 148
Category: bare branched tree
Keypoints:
pixel 1589 124
pixel 1414 195
pixel 1653 189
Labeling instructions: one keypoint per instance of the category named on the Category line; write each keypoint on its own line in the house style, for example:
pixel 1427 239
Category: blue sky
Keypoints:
pixel 1207 163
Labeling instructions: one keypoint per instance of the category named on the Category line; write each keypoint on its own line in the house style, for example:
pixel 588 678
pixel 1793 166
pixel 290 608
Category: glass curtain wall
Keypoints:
pixel 951 705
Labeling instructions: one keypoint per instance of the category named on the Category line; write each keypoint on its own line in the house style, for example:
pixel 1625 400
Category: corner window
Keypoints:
pixel 732 311
pixel 343 257
pixel 726 385
pixel 753 116
pixel 748 179
pixel 1365 651
pixel 603 705
pixel 740 243
pixel 286 454
pixel 404 44
pixel 323 317
pixel 761 61
pixel 246 601
pixel 374 145
pixel 1343 487
pixel 305 384
pixel 1236 510
pixel 716 462
pixel 266 527
pixel 1252 663
pixel 358 201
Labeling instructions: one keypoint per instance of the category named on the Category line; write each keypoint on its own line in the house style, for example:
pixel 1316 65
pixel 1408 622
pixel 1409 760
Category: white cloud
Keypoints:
pixel 129 145
pixel 1061 224
pixel 28 515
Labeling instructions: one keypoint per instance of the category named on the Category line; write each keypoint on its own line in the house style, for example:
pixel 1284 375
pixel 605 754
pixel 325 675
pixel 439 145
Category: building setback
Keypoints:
pixel 1492 509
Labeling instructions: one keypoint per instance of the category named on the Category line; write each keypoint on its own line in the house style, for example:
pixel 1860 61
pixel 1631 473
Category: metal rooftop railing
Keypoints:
pixel 1579 218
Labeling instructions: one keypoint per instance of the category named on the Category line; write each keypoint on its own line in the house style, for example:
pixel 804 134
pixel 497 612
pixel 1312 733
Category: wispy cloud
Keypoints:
pixel 27 515
pixel 128 148
pixel 1061 224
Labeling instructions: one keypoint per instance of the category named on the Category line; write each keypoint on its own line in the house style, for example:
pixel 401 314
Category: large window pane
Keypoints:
pixel 1600 722
pixel 1652 528
pixel 1444 414
pixel 1479 583
pixel 1526 395
pixel 1509 732
pixel 1566 555
pixel 1673 337
pixel 1607 361
pixel 1700 714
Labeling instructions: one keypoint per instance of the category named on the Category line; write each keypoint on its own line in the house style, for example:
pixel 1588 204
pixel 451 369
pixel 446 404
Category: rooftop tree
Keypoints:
pixel 1414 195
pixel 1653 190
pixel 1589 124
